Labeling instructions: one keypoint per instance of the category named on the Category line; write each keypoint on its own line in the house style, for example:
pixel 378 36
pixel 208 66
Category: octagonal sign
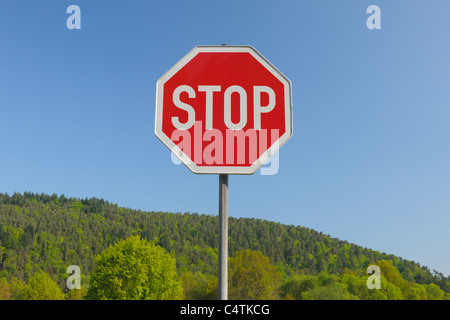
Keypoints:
pixel 223 110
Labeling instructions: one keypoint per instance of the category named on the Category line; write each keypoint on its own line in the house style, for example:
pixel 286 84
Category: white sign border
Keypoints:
pixel 221 169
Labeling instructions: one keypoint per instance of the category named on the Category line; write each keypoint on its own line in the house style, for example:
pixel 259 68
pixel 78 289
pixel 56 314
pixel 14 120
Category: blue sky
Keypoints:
pixel 369 158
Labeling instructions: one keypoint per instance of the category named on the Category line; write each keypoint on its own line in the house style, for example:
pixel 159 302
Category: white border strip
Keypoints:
pixel 224 169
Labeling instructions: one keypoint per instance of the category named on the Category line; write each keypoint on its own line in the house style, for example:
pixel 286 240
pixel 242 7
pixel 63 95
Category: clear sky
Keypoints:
pixel 369 158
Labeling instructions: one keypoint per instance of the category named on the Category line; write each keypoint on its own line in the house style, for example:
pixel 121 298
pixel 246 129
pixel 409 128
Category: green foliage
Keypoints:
pixel 434 292
pixel 134 269
pixel 17 288
pixel 390 273
pixel 294 286
pixel 352 285
pixel 42 287
pixel 43 233
pixel 76 294
pixel 198 286
pixel 252 276
pixel 5 291
pixel 415 291
pixel 334 291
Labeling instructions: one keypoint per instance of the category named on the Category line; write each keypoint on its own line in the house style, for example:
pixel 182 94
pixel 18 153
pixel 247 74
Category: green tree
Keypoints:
pixel 334 291
pixel 198 286
pixel 390 273
pixel 295 285
pixel 76 294
pixel 42 287
pixel 415 291
pixel 134 269
pixel 434 292
pixel 5 292
pixel 357 286
pixel 17 288
pixel 252 276
pixel 391 291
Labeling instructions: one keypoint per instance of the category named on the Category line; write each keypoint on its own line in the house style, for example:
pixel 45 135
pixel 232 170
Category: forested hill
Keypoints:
pixel 40 232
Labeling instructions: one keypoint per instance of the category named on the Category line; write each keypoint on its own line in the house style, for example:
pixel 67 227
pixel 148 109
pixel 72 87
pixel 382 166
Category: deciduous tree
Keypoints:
pixel 42 287
pixel 134 269
pixel 252 276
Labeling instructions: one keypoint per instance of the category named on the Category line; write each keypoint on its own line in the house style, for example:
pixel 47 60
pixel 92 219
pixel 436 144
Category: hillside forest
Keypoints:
pixel 124 253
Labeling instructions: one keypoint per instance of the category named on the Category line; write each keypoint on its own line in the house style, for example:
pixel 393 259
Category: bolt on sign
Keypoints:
pixel 223 110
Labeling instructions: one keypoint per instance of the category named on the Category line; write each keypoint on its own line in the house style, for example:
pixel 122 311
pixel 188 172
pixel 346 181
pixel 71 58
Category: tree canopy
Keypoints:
pixel 134 269
pixel 42 287
pixel 42 233
pixel 252 276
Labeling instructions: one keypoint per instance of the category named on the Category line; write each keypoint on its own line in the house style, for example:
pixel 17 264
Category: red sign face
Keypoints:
pixel 223 110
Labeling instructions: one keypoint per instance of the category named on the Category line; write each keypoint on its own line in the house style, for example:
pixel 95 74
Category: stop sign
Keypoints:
pixel 223 110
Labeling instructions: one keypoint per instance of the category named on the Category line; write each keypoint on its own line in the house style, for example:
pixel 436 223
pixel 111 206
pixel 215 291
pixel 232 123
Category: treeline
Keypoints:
pixel 43 233
pixel 135 269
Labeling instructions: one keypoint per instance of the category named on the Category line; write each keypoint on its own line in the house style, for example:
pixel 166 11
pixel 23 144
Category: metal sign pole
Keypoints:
pixel 223 238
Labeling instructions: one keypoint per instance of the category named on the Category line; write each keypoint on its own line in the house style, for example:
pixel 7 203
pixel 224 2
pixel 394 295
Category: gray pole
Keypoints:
pixel 223 237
